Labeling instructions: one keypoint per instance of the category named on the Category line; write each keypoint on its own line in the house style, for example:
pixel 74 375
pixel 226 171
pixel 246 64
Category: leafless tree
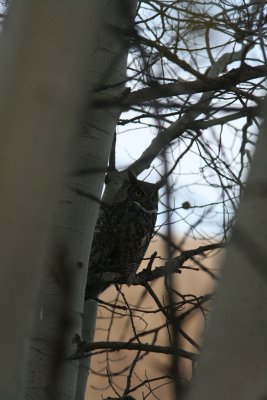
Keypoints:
pixel 196 84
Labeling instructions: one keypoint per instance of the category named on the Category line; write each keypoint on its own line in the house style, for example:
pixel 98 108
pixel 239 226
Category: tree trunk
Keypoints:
pixel 60 305
pixel 42 78
pixel 234 360
pixel 118 14
pixel 88 333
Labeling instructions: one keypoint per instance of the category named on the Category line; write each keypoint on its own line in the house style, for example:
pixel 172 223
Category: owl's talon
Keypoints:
pixel 130 280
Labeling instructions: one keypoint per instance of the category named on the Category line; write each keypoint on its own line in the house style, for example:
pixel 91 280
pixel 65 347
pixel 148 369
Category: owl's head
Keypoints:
pixel 143 194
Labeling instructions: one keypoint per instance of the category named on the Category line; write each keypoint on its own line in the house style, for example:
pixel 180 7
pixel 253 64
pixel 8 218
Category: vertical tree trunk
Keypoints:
pixel 42 76
pixel 234 360
pixel 60 306
pixel 88 333
pixel 118 13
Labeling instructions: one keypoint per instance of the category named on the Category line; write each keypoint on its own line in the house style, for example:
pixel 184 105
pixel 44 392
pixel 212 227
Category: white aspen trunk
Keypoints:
pixel 88 333
pixel 233 364
pixel 117 13
pixel 60 306
pixel 42 77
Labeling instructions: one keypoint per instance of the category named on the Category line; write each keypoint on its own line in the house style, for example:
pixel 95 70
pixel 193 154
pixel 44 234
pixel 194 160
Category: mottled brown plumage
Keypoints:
pixel 123 232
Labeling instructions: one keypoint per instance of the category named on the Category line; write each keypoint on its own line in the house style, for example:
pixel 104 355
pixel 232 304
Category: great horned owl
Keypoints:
pixel 123 232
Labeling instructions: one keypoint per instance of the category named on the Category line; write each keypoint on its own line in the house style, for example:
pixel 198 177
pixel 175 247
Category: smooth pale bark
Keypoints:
pixel 60 306
pixel 233 364
pixel 88 333
pixel 42 78
pixel 111 55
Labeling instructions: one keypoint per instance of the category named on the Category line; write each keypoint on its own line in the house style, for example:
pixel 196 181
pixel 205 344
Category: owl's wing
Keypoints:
pixel 143 234
pixel 104 240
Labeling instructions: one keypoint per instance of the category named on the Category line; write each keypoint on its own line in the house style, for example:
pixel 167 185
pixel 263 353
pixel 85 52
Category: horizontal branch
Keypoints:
pixel 245 112
pixel 225 82
pixel 147 275
pixel 116 346
pixel 187 254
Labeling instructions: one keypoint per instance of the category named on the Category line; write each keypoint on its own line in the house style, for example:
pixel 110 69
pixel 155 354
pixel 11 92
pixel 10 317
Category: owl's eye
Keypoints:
pixel 139 192
pixel 153 196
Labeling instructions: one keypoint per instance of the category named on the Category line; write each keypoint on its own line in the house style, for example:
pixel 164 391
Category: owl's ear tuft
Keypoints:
pixel 132 177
